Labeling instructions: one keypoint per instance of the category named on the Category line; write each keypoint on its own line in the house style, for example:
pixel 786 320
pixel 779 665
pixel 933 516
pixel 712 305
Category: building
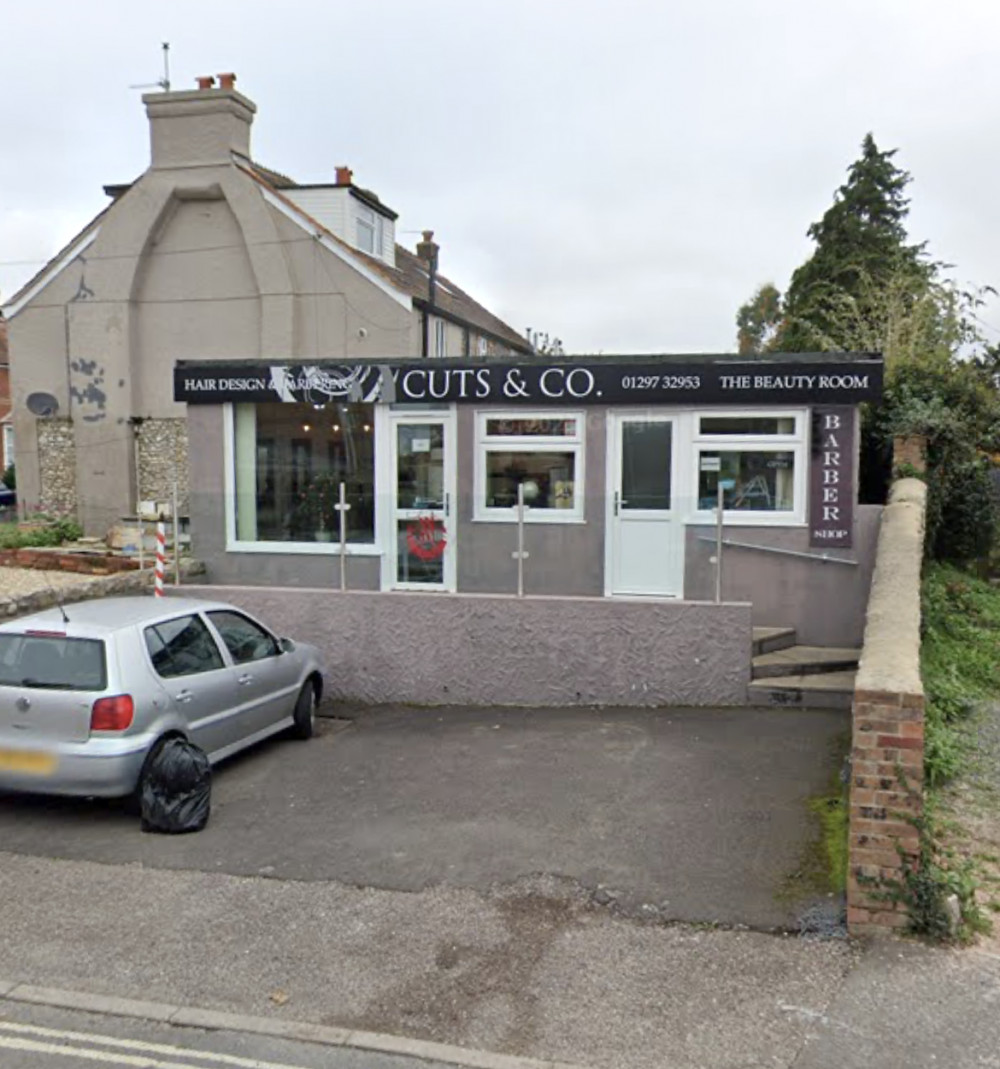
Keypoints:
pixel 620 461
pixel 337 413
pixel 6 423
pixel 208 256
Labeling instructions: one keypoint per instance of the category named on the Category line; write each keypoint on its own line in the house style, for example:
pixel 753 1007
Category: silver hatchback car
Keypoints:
pixel 88 692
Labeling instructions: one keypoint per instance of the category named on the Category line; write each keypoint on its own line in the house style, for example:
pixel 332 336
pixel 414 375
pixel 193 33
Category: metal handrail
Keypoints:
pixel 821 558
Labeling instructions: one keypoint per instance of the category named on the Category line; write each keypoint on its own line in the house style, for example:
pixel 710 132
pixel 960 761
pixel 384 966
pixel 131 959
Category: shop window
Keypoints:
pixel 290 460
pixel 543 452
pixel 759 458
pixel 752 480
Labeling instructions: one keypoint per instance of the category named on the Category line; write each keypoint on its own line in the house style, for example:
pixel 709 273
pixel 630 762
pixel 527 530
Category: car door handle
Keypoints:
pixel 245 679
pixel 184 695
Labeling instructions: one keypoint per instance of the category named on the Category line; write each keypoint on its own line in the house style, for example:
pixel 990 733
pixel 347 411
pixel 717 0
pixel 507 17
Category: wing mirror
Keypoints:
pixel 286 644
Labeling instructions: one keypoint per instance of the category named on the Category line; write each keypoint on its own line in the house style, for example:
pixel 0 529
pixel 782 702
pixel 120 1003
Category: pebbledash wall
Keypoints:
pixel 623 457
pixel 476 649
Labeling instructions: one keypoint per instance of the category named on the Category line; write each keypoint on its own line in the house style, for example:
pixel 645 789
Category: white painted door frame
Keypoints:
pixel 669 582
pixel 444 512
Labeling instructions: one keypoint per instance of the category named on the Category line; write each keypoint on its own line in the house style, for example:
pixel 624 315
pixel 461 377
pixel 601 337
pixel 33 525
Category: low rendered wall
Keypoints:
pixel 470 649
pixel 887 756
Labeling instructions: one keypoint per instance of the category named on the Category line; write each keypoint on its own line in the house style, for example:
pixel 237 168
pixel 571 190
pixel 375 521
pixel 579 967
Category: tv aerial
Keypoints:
pixel 164 82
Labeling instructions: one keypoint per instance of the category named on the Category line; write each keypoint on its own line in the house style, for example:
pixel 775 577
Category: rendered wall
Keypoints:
pixel 456 649
pixel 563 558
pixel 824 602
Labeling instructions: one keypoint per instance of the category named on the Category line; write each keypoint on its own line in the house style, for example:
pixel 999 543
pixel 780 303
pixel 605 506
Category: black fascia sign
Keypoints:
pixel 736 382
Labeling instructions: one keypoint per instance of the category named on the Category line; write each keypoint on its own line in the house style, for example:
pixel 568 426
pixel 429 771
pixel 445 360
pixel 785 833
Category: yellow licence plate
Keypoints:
pixel 34 762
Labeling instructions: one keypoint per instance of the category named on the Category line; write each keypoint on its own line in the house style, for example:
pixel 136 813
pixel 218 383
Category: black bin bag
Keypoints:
pixel 176 791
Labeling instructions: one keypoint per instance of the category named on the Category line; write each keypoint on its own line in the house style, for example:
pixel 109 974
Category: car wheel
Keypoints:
pixel 304 717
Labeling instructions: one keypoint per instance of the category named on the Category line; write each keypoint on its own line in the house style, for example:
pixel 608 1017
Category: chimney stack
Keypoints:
pixel 428 249
pixel 344 176
pixel 199 127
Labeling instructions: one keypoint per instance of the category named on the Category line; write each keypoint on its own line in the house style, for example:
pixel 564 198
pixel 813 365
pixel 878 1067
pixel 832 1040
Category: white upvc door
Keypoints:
pixel 422 501
pixel 645 544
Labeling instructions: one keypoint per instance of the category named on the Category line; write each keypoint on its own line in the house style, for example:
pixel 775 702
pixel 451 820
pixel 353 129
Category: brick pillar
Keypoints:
pixel 910 450
pixel 887 747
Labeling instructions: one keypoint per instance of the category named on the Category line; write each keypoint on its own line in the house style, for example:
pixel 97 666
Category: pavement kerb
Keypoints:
pixel 302 1031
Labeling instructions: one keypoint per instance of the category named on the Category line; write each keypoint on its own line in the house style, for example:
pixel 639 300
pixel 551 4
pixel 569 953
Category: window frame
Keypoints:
pixel 440 337
pixel 210 617
pixel 795 442
pixel 365 219
pixel 575 444
pixel 225 661
pixel 236 545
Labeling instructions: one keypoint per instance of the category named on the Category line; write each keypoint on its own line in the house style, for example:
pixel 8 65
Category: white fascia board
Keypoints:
pixel 337 249
pixel 53 271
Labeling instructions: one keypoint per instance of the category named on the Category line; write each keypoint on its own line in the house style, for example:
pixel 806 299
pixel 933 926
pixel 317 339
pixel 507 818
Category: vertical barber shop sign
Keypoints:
pixel 831 477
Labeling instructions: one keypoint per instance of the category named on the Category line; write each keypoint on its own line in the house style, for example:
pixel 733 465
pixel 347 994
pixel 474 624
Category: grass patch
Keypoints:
pixel 832 810
pixel 960 664
pixel 822 869
pixel 960 668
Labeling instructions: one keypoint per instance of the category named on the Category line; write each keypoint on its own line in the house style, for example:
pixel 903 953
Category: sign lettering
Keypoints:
pixel 831 503
pixel 621 382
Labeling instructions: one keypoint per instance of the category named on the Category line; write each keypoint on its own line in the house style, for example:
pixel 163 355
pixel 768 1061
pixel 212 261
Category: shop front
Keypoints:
pixel 408 475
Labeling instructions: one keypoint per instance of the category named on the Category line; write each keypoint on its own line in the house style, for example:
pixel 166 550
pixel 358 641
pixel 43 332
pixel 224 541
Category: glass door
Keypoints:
pixel 423 495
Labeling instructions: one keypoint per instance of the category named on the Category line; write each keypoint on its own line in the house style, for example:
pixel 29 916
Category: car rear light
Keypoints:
pixel 112 714
pixel 46 634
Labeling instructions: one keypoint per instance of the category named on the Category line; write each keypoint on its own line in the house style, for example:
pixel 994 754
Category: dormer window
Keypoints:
pixel 369 224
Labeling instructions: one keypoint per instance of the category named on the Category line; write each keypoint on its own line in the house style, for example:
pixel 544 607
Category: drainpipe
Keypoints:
pixel 427 250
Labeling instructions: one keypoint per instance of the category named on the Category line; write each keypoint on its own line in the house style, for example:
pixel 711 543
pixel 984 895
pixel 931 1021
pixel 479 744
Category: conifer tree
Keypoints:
pixel 861 243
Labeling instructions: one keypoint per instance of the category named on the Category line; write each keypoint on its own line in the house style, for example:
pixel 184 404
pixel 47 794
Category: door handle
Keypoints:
pixel 616 502
pixel 184 695
pixel 447 504
pixel 245 679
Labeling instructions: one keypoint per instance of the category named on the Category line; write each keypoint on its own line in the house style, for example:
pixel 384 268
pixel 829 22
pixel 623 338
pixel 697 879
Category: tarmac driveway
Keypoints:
pixel 693 815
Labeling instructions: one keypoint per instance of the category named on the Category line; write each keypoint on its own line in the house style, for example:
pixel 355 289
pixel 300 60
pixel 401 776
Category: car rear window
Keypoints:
pixel 52 662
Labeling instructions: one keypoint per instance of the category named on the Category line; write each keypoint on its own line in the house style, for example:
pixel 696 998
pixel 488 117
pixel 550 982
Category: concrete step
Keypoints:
pixel 804 661
pixel 769 639
pixel 819 690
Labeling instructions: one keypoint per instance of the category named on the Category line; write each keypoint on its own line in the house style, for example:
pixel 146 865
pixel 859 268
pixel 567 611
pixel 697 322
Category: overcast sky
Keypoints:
pixel 620 174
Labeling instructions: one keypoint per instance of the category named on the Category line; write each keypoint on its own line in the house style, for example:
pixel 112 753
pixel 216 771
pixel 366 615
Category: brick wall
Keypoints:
pixel 887 769
pixel 887 753
pixel 53 560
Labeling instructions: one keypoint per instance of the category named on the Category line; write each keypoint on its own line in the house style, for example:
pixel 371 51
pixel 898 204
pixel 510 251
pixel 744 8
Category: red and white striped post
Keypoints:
pixel 161 557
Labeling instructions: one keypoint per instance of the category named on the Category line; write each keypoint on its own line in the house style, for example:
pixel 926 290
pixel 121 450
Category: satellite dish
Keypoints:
pixel 42 404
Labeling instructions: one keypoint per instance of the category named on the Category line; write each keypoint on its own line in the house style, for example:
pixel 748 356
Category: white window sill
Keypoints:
pixel 551 516
pixel 749 519
pixel 304 549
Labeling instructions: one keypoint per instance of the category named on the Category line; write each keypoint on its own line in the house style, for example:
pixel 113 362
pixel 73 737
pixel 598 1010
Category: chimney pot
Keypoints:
pixel 227 80
pixel 344 176
pixel 206 81
pixel 428 235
